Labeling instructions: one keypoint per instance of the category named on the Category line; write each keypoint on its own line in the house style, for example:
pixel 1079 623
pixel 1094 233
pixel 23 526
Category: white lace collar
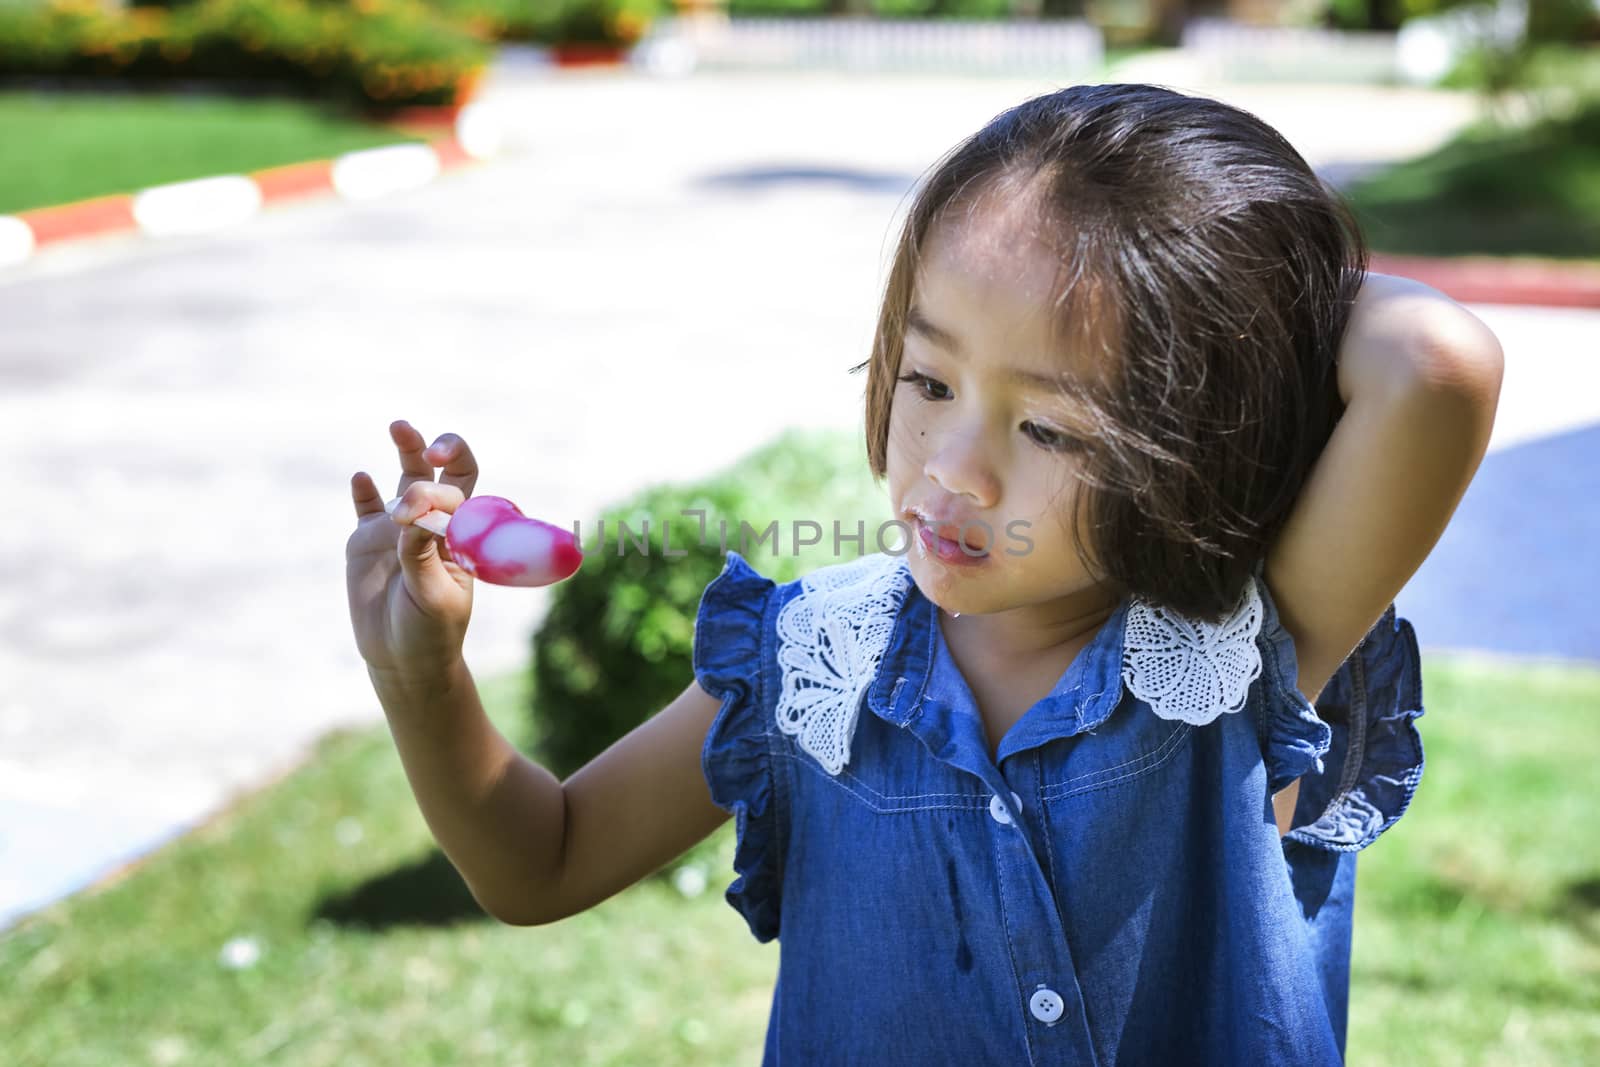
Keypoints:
pixel 1189 669
pixel 832 636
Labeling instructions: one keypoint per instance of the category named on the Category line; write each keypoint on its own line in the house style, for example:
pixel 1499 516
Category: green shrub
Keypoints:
pixel 616 645
pixel 537 21
pixel 614 22
pixel 374 53
pixel 995 10
pixel 551 22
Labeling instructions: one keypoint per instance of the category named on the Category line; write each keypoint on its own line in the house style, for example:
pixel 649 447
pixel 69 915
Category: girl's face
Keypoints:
pixel 977 432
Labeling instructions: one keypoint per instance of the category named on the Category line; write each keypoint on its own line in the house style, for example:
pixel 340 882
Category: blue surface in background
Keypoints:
pixel 1515 570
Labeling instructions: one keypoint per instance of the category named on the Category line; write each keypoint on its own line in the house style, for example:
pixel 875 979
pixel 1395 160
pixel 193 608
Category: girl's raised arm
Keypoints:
pixel 1420 377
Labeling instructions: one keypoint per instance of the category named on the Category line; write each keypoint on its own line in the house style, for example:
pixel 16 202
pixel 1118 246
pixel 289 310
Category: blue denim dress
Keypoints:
pixel 1111 889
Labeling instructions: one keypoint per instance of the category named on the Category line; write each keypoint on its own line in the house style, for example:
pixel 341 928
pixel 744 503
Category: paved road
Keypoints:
pixel 655 277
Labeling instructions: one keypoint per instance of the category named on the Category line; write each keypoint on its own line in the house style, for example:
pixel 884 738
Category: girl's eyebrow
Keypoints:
pixel 917 322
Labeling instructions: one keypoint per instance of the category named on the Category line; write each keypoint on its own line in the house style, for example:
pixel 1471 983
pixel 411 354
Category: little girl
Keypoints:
pixel 1076 770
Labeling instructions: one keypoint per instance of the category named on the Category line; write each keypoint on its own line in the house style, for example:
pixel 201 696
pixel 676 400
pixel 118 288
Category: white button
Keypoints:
pixel 1046 1005
pixel 997 808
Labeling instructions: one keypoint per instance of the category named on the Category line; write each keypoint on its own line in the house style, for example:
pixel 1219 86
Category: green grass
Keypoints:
pixel 372 950
pixel 1496 189
pixel 1477 929
pixel 65 147
pixel 1477 935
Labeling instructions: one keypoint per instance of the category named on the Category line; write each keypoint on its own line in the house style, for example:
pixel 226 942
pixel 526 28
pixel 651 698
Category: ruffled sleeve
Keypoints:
pixel 737 755
pixel 1294 739
pixel 1375 761
pixel 1358 754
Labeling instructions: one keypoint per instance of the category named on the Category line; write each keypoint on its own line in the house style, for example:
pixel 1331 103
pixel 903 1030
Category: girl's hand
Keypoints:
pixel 409 601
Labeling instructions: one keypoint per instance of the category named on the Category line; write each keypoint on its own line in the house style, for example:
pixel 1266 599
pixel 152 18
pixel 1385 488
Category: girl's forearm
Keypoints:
pixel 1421 378
pixel 497 815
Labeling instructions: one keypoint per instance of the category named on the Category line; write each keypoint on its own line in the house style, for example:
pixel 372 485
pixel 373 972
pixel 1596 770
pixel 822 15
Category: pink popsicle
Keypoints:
pixel 490 538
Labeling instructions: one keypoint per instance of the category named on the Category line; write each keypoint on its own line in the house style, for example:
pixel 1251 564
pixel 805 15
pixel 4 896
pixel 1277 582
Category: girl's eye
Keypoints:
pixel 1053 440
pixel 926 385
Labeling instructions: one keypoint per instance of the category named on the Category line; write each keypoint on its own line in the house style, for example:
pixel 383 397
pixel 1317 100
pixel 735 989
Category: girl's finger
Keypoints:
pixel 414 466
pixel 460 465
pixel 422 497
pixel 364 492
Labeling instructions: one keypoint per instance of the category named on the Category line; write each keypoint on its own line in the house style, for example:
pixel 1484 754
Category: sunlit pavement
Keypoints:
pixel 654 277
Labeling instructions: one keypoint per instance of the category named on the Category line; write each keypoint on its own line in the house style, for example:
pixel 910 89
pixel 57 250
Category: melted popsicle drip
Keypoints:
pixel 490 538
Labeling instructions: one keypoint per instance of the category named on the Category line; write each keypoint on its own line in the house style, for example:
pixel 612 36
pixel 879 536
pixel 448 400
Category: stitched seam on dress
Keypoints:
pixel 1078 708
pixel 782 782
pixel 1049 853
pixel 1119 766
pixel 1171 747
pixel 1005 924
pixel 1356 728
pixel 976 802
pixel 1274 683
pixel 901 796
pixel 927 663
pixel 1133 762
pixel 1272 662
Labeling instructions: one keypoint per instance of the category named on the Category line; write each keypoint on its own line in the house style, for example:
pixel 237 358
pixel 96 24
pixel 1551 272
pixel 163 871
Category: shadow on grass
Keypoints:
pixel 1577 904
pixel 429 892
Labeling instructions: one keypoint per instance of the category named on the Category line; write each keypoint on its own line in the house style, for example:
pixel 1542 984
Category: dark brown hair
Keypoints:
pixel 1208 274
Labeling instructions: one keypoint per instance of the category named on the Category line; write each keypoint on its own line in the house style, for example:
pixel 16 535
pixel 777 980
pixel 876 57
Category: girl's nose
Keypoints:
pixel 960 467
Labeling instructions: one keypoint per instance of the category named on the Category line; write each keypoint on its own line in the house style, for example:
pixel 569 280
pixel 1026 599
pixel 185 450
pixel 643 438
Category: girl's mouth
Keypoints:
pixel 955 553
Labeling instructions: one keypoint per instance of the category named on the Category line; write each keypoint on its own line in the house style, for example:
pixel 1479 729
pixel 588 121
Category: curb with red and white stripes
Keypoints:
pixel 208 204
pixel 205 205
pixel 1489 280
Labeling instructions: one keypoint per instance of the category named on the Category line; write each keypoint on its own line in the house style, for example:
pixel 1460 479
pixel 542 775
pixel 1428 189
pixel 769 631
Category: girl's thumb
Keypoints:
pixel 420 559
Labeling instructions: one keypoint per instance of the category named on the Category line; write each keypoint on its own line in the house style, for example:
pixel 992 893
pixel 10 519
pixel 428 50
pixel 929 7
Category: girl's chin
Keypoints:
pixel 954 590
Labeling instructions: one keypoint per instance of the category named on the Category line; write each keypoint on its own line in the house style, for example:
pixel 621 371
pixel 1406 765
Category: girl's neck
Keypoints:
pixel 1031 634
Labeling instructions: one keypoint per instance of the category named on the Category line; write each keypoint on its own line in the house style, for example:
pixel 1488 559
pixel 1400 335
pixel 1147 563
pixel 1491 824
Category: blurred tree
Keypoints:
pixel 1509 42
pixel 1557 21
pixel 1374 15
pixel 1166 23
pixel 1561 20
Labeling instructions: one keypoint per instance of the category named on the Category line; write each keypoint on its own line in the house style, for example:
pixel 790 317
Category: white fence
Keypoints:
pixel 1065 48
pixel 1232 52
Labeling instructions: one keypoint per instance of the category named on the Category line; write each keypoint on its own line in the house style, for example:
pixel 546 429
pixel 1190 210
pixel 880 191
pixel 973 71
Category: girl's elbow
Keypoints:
pixel 1455 354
